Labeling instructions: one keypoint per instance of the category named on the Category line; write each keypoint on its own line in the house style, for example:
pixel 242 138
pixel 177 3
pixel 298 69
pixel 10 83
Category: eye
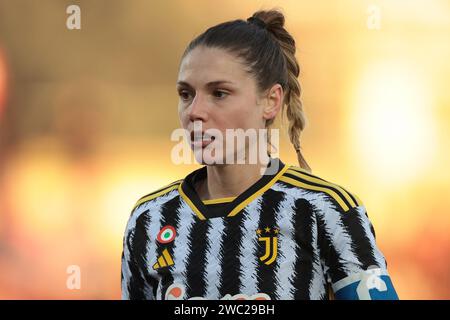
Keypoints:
pixel 220 94
pixel 184 95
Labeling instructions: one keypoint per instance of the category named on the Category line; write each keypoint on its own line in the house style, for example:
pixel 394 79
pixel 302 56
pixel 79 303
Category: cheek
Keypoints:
pixel 247 115
pixel 182 115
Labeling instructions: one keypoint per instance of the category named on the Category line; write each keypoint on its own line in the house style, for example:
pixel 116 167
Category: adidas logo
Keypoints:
pixel 164 260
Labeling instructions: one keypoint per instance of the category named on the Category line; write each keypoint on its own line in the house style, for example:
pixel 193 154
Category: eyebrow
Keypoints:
pixel 209 84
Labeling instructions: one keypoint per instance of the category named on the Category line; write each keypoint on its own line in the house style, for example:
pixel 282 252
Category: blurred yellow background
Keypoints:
pixel 86 117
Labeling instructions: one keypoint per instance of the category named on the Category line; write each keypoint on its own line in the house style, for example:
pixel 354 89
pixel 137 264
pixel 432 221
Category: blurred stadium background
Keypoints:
pixel 86 117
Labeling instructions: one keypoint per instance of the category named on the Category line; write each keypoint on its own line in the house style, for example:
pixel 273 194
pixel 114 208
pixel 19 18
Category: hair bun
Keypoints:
pixel 257 21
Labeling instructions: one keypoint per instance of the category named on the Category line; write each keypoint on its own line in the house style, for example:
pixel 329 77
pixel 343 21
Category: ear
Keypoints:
pixel 274 101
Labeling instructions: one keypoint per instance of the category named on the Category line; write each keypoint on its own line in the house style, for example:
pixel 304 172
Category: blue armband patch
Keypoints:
pixel 372 284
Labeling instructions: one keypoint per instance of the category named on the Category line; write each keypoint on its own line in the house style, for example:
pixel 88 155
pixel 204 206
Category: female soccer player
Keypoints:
pixel 260 230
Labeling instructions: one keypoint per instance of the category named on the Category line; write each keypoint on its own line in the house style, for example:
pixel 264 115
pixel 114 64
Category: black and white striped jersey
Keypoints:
pixel 291 235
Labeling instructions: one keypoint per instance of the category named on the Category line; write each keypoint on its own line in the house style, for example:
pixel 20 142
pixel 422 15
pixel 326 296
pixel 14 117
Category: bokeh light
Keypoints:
pixel 2 81
pixel 393 115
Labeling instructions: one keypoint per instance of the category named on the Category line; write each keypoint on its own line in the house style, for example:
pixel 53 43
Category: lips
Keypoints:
pixel 201 139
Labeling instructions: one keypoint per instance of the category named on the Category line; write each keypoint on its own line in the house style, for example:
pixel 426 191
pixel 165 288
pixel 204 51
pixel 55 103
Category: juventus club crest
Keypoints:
pixel 269 237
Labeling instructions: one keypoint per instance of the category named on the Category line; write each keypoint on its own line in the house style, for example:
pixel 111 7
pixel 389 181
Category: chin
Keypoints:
pixel 205 158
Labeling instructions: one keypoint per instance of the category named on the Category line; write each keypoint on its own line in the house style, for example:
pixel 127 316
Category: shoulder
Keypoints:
pixel 319 188
pixel 142 209
pixel 160 192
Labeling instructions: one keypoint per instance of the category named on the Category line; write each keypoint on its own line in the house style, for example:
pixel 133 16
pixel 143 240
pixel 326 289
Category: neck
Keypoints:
pixel 229 180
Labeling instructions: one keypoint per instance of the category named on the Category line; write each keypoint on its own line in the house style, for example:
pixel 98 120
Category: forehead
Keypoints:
pixel 210 64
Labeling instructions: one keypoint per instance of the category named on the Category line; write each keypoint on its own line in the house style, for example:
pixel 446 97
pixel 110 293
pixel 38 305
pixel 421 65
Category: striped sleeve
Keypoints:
pixel 136 283
pixel 353 263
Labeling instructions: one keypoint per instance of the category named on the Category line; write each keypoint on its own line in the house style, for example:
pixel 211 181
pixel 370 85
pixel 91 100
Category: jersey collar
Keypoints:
pixel 231 208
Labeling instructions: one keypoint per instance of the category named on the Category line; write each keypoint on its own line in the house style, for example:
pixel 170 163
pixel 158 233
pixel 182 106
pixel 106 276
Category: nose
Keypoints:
pixel 198 109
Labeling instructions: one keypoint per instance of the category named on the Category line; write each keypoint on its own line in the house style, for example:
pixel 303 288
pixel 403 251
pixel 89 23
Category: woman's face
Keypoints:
pixel 215 92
